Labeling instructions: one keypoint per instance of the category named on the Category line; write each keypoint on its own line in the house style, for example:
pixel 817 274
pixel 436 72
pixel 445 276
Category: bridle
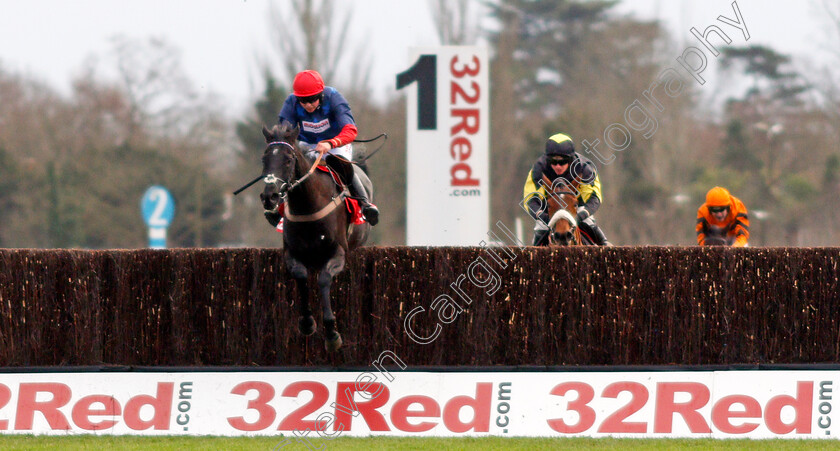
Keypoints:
pixel 567 216
pixel 311 170
pixel 285 187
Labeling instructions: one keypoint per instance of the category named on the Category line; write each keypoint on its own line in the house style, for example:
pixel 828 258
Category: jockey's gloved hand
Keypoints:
pixel 535 209
pixel 582 214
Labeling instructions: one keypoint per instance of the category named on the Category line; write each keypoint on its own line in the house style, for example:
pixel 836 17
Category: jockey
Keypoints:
pixel 326 126
pixel 723 218
pixel 560 161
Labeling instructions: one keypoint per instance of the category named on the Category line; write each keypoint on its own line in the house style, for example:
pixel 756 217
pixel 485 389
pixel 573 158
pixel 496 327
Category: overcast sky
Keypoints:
pixel 220 40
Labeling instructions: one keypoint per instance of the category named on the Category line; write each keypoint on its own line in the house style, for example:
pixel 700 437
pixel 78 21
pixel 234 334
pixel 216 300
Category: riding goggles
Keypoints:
pixel 559 160
pixel 718 209
pixel 310 99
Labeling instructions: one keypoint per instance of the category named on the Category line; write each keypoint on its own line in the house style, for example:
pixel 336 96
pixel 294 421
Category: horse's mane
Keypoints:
pixel 285 132
pixel 284 129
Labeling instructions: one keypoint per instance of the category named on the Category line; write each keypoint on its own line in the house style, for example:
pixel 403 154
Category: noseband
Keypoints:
pixel 563 214
pixel 283 186
pixel 271 179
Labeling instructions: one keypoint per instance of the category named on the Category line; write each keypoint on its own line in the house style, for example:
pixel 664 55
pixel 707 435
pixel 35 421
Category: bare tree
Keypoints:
pixel 161 102
pixel 305 34
pixel 452 19
pixel 309 36
pixel 313 34
pixel 831 10
pixel 829 85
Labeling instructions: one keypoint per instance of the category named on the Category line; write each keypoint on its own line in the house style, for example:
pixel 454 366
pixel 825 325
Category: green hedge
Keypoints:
pixel 570 306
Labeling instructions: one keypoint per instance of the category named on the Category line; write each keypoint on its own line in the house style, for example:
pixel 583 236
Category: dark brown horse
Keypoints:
pixel 317 231
pixel 562 213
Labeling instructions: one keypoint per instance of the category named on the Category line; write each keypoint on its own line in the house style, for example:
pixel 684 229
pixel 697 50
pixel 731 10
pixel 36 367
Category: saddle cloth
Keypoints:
pixel 352 205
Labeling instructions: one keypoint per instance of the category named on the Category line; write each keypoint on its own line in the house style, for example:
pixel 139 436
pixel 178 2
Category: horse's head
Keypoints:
pixel 562 206
pixel 712 240
pixel 562 227
pixel 279 163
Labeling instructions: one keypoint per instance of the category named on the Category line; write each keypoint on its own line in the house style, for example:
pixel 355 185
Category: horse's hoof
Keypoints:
pixel 306 325
pixel 334 343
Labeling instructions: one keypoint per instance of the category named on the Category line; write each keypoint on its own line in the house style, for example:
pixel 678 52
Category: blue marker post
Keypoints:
pixel 158 207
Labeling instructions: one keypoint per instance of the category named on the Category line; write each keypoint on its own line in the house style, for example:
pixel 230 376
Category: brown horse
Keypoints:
pixel 562 213
pixel 317 231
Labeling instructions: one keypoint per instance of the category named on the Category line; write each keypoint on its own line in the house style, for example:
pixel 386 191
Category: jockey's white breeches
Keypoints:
pixel 345 151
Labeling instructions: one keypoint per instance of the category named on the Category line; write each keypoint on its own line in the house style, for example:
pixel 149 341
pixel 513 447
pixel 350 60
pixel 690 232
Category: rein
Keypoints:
pixel 286 187
pixel 298 181
pixel 272 179
pixel 312 169
pixel 562 213
pixel 560 193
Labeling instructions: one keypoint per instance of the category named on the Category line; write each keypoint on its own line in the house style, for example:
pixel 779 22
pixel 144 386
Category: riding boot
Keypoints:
pixel 541 237
pixel 595 232
pixel 357 191
pixel 273 217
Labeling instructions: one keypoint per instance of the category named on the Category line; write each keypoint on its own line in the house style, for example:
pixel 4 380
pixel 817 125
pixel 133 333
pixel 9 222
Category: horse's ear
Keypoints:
pixel 295 132
pixel 267 134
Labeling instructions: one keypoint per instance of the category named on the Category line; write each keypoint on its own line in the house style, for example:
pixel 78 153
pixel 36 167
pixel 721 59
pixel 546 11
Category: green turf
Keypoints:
pixel 103 443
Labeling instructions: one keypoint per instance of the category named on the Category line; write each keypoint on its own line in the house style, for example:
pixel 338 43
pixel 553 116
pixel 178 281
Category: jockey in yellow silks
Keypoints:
pixel 560 161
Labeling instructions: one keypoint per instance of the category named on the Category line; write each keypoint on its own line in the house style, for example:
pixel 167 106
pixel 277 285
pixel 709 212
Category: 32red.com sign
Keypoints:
pixel 724 404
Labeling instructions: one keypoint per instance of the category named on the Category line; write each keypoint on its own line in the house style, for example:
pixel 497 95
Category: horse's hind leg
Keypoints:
pixel 333 267
pixel 306 323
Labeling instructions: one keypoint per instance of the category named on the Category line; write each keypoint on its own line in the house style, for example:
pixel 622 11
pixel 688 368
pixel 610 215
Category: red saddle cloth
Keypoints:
pixel 352 205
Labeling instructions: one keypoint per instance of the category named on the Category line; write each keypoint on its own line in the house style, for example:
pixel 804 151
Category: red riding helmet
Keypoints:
pixel 717 197
pixel 308 83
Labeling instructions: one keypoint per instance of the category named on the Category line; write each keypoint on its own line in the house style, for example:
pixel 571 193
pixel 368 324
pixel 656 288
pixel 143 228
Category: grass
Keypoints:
pixel 101 443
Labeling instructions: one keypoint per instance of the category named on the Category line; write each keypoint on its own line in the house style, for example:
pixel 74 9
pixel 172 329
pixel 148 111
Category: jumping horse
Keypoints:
pixel 318 232
pixel 562 213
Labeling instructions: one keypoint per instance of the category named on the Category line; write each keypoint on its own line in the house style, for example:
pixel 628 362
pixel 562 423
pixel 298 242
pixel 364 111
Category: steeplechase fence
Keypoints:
pixel 429 306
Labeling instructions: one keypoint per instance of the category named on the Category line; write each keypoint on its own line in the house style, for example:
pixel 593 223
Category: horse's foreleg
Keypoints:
pixel 333 267
pixel 306 323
